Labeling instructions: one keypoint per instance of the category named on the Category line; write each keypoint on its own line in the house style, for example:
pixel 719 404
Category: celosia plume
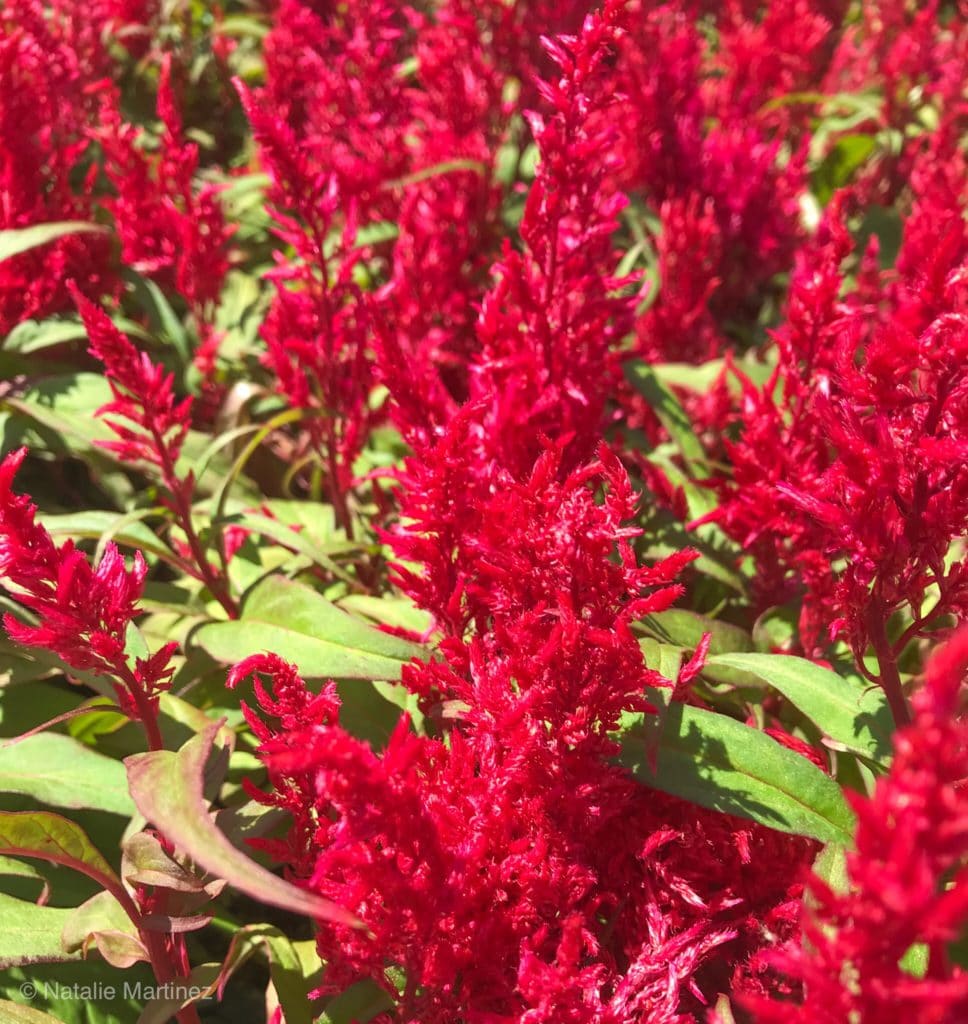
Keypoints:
pixel 880 949
pixel 83 611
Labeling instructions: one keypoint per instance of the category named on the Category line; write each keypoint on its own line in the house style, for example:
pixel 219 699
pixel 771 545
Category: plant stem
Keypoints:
pixel 890 680
pixel 216 583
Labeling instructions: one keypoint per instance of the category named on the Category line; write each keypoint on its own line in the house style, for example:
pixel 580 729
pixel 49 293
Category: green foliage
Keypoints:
pixel 311 584
pixel 168 789
pixel 58 771
pixel 295 622
pixel 32 934
pixel 854 715
pixel 722 764
pixel 14 241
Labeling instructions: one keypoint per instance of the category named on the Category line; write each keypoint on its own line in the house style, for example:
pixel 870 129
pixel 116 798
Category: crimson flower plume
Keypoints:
pixel 907 894
pixel 83 611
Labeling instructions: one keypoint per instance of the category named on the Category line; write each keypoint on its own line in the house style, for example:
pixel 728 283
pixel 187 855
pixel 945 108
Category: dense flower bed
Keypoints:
pixel 498 498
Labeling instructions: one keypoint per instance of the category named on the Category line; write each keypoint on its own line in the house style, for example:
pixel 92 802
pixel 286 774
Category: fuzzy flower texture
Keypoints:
pixel 506 867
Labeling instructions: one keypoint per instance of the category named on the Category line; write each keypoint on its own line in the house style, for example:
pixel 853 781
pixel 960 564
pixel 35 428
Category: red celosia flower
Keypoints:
pixel 907 883
pixel 494 868
pixel 152 428
pixel 170 228
pixel 854 479
pixel 318 327
pixel 48 68
pixel 83 612
pixel 549 328
pixel 691 150
pixel 156 422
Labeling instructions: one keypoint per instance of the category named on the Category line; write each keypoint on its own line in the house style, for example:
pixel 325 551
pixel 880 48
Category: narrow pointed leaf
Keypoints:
pixel 670 413
pixel 847 710
pixel 14 241
pixel 102 922
pixel 721 764
pixel 49 837
pixel 168 790
pixel 17 1013
pixel 61 772
pixel 293 621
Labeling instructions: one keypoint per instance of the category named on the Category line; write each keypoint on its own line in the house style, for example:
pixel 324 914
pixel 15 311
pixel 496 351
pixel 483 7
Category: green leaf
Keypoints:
pixel 289 980
pixel 49 837
pixel 293 621
pixel 30 336
pixel 666 659
pixel 373 712
pixel 147 862
pixel 93 524
pixel 357 1005
pixel 10 867
pixel 915 960
pixel 285 968
pixel 724 1011
pixel 685 629
pixel 77 992
pixel 721 764
pixel 698 377
pixel 831 867
pixel 19 665
pixel 34 336
pixel 31 934
pixel 719 556
pixel 200 984
pixel 14 241
pixel 400 612
pixel 102 922
pixel 888 225
pixel 853 714
pixel 681 628
pixel 17 1013
pixel 168 790
pixel 303 543
pixel 776 629
pixel 838 167
pixel 63 406
pixel 670 413
pixel 61 772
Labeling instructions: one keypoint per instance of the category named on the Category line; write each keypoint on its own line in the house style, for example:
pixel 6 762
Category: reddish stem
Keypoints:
pixel 216 583
pixel 889 679
pixel 167 953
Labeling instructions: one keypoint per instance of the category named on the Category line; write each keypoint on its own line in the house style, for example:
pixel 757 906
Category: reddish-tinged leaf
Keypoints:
pixel 167 788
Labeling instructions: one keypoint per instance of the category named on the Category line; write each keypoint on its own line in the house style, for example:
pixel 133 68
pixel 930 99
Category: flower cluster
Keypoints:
pixel 151 429
pixel 157 422
pixel 47 69
pixel 170 228
pixel 57 73
pixel 443 284
pixel 491 863
pixel 849 474
pixel 879 949
pixel 83 613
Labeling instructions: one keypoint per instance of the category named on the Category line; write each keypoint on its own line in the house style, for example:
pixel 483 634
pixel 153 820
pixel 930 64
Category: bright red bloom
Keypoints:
pixel 155 429
pixel 48 68
pixel 907 888
pixel 855 478
pixel 493 866
pixel 708 167
pixel 83 612
pixel 157 422
pixel 171 228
